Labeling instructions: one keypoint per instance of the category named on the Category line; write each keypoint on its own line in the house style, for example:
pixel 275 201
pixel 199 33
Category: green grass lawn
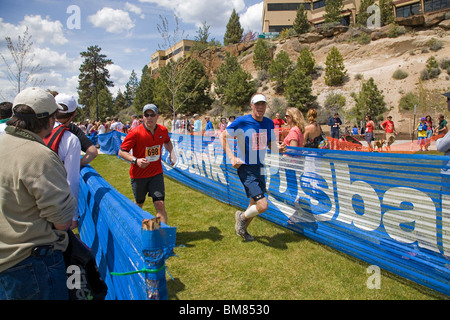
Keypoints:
pixel 213 263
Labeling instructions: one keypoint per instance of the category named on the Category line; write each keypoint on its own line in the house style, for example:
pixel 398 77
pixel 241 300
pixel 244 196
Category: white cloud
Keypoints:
pixel 41 30
pixel 135 9
pixel 119 76
pixel 112 20
pixel 216 13
pixel 59 61
pixel 251 20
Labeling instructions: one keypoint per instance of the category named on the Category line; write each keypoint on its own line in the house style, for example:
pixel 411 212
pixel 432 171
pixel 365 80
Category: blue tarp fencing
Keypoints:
pixel 109 142
pixel 390 210
pixel 130 259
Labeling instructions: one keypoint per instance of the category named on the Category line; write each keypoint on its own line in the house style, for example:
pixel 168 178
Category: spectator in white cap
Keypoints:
pixel 87 146
pixel 146 169
pixel 67 146
pixel 254 134
pixel 38 206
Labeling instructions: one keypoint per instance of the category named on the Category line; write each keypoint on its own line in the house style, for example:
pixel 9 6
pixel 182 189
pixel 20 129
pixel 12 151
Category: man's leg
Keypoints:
pixel 160 209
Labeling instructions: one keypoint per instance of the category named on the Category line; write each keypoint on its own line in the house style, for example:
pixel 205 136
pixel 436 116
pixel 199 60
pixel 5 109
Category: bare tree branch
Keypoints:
pixel 22 69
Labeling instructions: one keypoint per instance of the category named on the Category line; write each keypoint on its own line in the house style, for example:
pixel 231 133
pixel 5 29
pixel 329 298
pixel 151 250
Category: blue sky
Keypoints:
pixel 126 31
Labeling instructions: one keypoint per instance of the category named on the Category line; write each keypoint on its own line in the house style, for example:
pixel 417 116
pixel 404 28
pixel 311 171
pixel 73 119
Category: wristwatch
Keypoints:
pixel 134 161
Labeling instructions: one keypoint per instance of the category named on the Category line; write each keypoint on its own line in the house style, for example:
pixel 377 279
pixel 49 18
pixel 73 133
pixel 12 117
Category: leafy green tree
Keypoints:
pixel 361 18
pixel 301 22
pixel 280 69
pixel 93 71
pixel 335 72
pixel 369 101
pixel 261 57
pixel 234 30
pixel 234 85
pixel 306 62
pixel 333 9
pixel 144 92
pixel 298 90
pixel 387 12
pixel 130 88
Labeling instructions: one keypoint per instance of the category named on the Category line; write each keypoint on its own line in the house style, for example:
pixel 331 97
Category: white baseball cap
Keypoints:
pixel 41 101
pixel 258 98
pixel 69 103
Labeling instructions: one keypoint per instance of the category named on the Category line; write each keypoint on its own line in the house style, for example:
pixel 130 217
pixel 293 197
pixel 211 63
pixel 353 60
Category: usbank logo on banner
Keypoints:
pixel 392 210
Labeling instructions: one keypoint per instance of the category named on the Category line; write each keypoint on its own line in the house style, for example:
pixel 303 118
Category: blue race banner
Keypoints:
pixel 390 210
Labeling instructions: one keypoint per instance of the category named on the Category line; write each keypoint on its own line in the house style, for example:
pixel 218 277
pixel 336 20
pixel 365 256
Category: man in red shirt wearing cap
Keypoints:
pixel 146 172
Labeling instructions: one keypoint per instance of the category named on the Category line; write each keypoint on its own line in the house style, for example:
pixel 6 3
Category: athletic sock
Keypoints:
pixel 251 212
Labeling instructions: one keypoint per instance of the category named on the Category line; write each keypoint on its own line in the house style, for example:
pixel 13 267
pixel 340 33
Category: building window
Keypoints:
pixel 434 5
pixel 318 4
pixel 278 28
pixel 407 11
pixel 287 6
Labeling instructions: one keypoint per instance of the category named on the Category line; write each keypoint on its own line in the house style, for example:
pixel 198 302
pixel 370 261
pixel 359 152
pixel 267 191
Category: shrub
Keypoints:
pixel 408 101
pixel 395 30
pixel 400 74
pixel 435 44
pixel 445 63
pixel 434 72
pixel 424 74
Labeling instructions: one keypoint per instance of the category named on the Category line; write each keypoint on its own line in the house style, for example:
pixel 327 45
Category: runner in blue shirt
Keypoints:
pixel 254 133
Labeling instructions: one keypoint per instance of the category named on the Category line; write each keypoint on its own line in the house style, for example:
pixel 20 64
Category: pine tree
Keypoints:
pixel 306 62
pixel 299 90
pixel 228 67
pixel 144 92
pixel 333 9
pixel 369 101
pixel 93 71
pixel 387 12
pixel 280 69
pixel 234 31
pixel 105 103
pixel 233 84
pixel 261 57
pixel 301 23
pixel 193 96
pixel 120 103
pixel 130 88
pixel 362 16
pixel 335 72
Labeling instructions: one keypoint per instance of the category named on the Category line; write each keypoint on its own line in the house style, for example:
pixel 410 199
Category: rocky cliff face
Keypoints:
pixel 378 59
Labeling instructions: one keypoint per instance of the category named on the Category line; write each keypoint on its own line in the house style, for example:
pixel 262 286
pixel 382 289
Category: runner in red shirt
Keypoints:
pixel 146 172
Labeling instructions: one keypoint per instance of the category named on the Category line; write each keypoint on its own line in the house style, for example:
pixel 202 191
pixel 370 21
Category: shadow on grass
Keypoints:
pixel 185 238
pixel 173 287
pixel 279 241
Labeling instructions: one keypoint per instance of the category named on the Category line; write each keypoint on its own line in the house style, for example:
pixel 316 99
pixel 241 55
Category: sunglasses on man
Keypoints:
pixel 149 115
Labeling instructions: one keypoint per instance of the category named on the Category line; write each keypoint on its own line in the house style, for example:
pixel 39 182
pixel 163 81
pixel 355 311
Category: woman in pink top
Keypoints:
pixel 296 122
pixel 369 131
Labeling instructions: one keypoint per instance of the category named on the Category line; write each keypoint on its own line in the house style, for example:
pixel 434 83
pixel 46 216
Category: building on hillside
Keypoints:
pixel 280 14
pixel 161 57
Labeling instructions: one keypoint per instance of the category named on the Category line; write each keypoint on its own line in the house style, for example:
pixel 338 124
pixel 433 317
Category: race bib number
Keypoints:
pixel 153 153
pixel 259 141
